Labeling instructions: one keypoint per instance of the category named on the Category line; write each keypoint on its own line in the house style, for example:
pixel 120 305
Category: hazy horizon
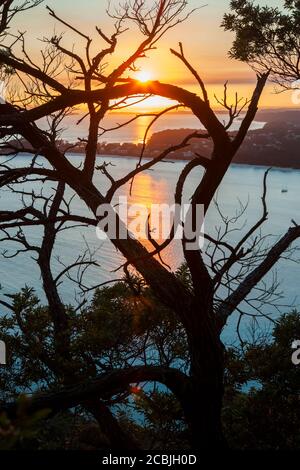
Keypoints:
pixel 206 45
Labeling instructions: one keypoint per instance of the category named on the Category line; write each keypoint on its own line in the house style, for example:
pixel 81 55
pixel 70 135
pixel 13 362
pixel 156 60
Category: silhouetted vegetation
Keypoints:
pixel 158 326
pixel 261 401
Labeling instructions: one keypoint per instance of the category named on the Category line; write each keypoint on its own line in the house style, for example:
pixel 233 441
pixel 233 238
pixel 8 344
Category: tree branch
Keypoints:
pixel 106 386
pixel 229 305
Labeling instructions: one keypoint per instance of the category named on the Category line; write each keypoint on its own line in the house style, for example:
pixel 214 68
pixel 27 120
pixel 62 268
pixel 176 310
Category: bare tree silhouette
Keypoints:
pixel 64 79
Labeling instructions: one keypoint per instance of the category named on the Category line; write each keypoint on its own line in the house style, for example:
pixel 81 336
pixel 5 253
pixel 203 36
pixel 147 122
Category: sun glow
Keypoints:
pixel 143 76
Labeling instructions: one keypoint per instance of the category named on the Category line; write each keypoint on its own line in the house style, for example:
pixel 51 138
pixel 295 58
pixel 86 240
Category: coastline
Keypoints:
pixel 186 159
pixel 171 160
pixel 275 144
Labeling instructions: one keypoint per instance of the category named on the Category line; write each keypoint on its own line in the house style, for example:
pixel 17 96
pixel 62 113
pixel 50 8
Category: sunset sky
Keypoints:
pixel 205 43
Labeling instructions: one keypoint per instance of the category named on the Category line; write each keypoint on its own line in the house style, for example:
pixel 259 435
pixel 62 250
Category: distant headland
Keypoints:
pixel 276 144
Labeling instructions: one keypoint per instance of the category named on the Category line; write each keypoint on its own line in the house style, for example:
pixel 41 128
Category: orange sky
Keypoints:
pixel 205 43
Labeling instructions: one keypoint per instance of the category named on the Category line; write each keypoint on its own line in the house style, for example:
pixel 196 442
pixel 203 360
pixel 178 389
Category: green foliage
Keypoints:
pixel 163 421
pixel 20 432
pixel 124 324
pixel 261 403
pixel 267 415
pixel 266 37
pixel 28 335
pixel 184 274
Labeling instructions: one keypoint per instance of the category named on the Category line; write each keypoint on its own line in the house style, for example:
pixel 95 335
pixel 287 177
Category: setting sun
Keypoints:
pixel 149 230
pixel 143 76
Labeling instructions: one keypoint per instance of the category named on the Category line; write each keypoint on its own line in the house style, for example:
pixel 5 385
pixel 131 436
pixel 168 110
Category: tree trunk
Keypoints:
pixel 57 309
pixel 203 405
pixel 109 425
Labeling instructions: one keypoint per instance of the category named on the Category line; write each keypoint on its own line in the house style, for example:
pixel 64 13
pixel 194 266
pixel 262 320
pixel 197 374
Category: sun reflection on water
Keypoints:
pixel 146 191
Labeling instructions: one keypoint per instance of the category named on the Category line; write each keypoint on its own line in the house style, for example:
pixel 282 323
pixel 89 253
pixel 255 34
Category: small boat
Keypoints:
pixel 284 190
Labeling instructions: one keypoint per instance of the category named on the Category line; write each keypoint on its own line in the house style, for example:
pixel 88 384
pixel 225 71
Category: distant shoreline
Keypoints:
pixel 170 160
pixel 276 144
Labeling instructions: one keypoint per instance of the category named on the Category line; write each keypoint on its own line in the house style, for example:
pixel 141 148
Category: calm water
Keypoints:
pixel 241 183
